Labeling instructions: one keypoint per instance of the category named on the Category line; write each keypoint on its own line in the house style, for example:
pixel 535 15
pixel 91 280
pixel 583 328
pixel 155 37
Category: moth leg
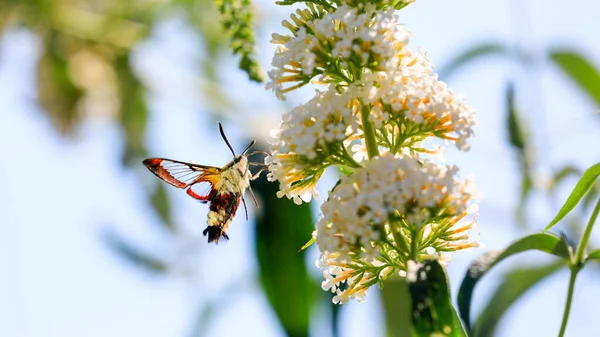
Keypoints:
pixel 245 208
pixel 253 196
pixel 257 174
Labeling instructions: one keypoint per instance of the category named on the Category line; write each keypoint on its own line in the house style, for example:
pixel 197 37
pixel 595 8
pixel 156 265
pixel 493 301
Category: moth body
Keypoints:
pixel 222 188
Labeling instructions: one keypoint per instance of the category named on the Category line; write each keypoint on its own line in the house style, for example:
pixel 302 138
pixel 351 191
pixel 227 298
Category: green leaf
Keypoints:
pixel 325 3
pixel 518 138
pixel 237 16
pixel 132 254
pixel 595 255
pixel 282 227
pixel 583 186
pixel 471 55
pixel 396 302
pixel 544 242
pixel 160 202
pixel 581 70
pixel 56 92
pixel 517 135
pixel 336 310
pixel 562 174
pixel 513 286
pixel 526 188
pixel 591 196
pixel 432 310
pixel 308 244
pixel 133 111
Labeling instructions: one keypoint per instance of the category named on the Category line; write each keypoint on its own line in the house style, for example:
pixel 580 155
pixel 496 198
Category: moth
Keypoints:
pixel 221 187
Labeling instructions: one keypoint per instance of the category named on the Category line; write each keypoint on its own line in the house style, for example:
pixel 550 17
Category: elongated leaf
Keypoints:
pixel 513 286
pixel 133 111
pixel 595 255
pixel 57 93
pixel 517 135
pixel 583 186
pixel 591 196
pixel 562 174
pixel 579 69
pixel 281 228
pixel 160 202
pixel 336 311
pixel 132 254
pixel 522 205
pixel 518 138
pixel 237 17
pixel 396 301
pixel 544 242
pixel 325 3
pixel 308 244
pixel 432 310
pixel 471 55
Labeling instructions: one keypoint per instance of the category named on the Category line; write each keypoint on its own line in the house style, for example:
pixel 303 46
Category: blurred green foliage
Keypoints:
pixel 397 302
pixel 543 242
pixel 281 229
pixel 432 311
pixel 585 75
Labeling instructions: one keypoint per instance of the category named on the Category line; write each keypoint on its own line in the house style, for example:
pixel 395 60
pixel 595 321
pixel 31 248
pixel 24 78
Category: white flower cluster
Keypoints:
pixel 396 84
pixel 373 37
pixel 296 182
pixel 410 91
pixel 306 132
pixel 382 104
pixel 347 282
pixel 362 204
pixel 326 118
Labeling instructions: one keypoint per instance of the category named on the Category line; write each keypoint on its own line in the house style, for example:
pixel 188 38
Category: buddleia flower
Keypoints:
pixel 312 137
pixel 395 209
pixel 383 117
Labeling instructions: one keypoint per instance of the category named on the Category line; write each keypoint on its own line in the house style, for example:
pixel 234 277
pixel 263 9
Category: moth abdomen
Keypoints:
pixel 215 234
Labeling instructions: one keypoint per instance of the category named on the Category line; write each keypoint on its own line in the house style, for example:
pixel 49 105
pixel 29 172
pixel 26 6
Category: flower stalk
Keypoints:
pixel 576 265
pixel 369 132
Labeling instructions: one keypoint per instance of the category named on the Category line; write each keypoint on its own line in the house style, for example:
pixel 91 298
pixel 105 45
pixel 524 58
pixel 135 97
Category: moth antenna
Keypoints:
pixel 249 146
pixel 225 139
pixel 245 208
pixel 253 196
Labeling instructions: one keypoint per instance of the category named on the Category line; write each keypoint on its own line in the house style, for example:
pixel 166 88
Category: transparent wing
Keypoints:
pixel 181 174
pixel 200 191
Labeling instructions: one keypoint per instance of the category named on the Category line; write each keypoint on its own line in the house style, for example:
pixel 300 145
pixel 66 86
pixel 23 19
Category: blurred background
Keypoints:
pixel 92 244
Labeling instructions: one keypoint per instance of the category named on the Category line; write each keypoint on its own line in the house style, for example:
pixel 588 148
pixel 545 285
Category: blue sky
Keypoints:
pixel 60 280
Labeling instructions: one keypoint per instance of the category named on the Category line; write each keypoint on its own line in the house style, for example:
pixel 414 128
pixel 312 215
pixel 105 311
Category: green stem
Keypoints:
pixel 369 132
pixel 586 235
pixel 349 159
pixel 413 245
pixel 563 325
pixel 576 266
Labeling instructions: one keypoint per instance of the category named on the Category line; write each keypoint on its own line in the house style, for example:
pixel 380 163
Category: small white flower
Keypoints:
pixel 307 136
pixel 412 268
pixel 347 33
pixel 395 186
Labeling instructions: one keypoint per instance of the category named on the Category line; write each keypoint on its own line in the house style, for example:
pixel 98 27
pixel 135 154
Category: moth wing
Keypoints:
pixel 200 190
pixel 199 178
